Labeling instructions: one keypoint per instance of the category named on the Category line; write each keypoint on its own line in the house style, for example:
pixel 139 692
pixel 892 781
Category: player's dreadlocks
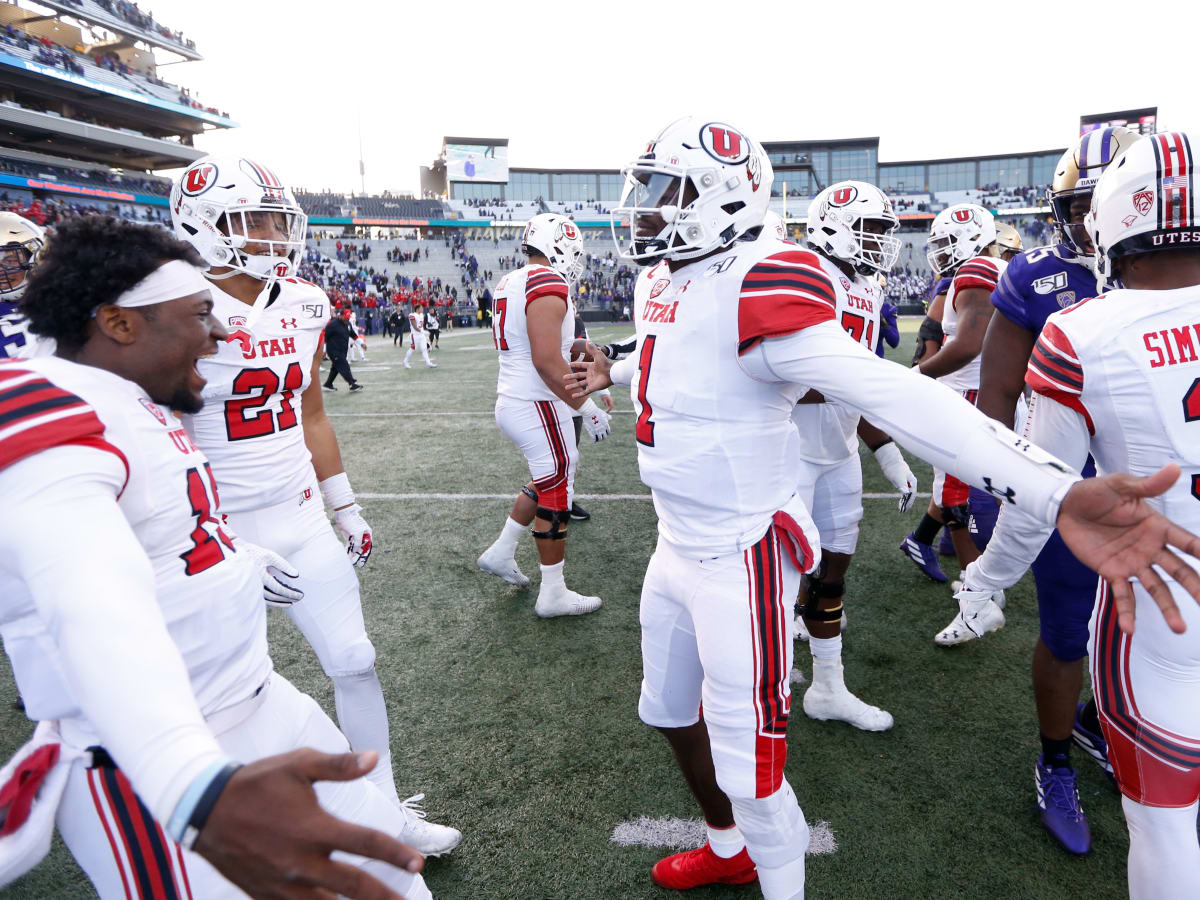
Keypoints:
pixel 88 262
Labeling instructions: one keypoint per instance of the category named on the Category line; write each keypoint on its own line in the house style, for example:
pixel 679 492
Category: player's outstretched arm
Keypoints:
pixel 1111 528
pixel 268 835
pixel 942 428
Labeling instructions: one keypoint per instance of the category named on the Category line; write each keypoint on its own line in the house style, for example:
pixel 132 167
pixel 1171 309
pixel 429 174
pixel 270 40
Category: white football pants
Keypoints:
pixel 416 340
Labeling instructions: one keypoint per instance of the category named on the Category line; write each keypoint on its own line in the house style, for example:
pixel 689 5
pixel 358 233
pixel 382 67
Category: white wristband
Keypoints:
pixel 889 455
pixel 589 407
pixel 337 491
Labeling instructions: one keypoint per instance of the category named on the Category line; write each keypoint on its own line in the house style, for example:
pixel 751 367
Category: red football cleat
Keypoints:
pixel 693 868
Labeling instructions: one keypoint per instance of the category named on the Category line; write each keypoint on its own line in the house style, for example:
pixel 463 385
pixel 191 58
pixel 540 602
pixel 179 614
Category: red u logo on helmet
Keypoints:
pixel 963 216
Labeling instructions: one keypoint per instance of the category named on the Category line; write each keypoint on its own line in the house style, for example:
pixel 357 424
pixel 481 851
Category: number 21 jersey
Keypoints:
pixel 250 427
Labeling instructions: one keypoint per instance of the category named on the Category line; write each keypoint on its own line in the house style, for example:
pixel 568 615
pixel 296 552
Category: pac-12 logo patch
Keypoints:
pixel 198 180
pixel 153 410
pixel 724 144
pixel 1142 201
pixel 843 196
pixel 659 286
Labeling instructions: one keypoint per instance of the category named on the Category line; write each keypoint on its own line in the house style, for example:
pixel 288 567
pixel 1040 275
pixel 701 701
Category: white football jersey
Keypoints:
pixel 250 426
pixel 829 431
pixel 981 272
pixel 1129 362
pixel 716 446
pixel 211 595
pixel 518 379
pixel 416 321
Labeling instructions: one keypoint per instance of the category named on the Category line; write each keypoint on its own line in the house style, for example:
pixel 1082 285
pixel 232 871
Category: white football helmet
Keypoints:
pixel 697 187
pixel 958 233
pixel 559 240
pixel 20 242
pixel 214 205
pixel 836 218
pixel 1144 201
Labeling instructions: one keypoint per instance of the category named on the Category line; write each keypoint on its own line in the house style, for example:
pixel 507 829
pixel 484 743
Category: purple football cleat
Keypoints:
pixel 1091 743
pixel 1062 813
pixel 924 556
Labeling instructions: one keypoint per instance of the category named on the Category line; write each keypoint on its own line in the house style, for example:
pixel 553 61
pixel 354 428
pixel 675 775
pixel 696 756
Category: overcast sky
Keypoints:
pixel 583 84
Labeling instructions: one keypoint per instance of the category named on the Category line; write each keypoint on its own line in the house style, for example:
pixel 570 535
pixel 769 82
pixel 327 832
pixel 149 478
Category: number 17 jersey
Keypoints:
pixel 250 427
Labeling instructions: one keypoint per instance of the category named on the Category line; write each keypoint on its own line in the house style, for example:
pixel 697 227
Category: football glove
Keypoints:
pixel 896 470
pixel 275 591
pixel 355 532
pixel 595 420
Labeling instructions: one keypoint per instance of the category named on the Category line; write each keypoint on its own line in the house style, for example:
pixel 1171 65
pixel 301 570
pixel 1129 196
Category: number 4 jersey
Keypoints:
pixel 250 426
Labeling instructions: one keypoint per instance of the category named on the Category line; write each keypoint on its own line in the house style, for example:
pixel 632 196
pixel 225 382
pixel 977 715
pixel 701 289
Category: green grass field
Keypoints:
pixel 524 733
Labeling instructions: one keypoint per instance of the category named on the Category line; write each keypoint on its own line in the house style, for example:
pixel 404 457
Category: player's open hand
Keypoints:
pixel 268 835
pixel 1109 526
pixel 589 375
pixel 272 568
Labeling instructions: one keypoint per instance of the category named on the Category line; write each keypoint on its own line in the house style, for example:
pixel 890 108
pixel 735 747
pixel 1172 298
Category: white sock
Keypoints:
pixel 726 842
pixel 552 576
pixel 510 535
pixel 825 648
pixel 362 717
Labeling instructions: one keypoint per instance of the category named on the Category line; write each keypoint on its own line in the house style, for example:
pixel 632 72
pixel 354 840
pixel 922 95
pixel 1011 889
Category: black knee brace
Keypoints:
pixel 529 492
pixel 958 517
pixel 558 519
pixel 818 590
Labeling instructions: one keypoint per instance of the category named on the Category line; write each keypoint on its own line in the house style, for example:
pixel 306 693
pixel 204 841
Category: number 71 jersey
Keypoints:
pixel 250 427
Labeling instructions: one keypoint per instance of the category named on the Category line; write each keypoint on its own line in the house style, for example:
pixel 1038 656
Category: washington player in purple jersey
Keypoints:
pixel 1035 284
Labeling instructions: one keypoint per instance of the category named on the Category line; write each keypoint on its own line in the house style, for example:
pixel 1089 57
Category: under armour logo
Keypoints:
pixel 1006 494
pixel 288 323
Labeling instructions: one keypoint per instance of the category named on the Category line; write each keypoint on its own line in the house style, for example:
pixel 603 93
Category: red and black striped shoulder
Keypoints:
pixel 980 272
pixel 544 282
pixel 782 294
pixel 36 415
pixel 1055 371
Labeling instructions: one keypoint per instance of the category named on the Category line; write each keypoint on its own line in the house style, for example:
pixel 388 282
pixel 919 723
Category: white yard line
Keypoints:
pixel 687 834
pixel 509 496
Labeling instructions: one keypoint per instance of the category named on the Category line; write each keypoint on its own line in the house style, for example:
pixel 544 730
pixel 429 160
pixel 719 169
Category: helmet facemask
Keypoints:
pixel 660 209
pixel 878 250
pixel 941 251
pixel 17 260
pixel 264 258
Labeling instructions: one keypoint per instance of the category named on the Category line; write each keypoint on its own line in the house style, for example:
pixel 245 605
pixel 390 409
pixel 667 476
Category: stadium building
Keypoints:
pixel 85 118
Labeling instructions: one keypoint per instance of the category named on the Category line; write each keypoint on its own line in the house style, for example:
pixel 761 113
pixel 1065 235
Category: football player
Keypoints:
pixel 272 448
pixel 850 226
pixel 138 635
pixel 20 243
pixel 1116 376
pixel 717 448
pixel 533 327
pixel 417 336
pixel 1037 283
pixel 964 246
pixel 578 513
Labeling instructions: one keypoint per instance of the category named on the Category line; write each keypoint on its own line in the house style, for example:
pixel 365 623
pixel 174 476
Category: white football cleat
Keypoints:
pixel 431 365
pixel 496 562
pixel 830 704
pixel 978 613
pixel 427 838
pixel 408 365
pixel 563 601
